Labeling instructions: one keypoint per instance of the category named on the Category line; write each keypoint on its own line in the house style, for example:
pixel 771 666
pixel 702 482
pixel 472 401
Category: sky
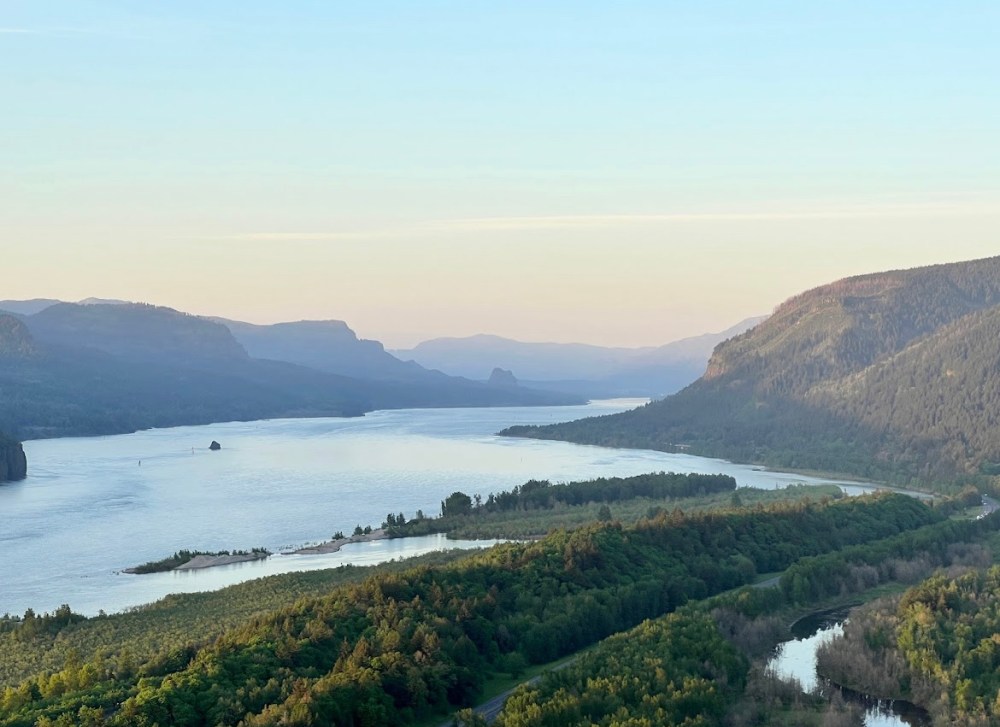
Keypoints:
pixel 612 173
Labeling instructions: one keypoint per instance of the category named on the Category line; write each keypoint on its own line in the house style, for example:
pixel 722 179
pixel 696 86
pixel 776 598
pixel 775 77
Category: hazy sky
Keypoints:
pixel 620 173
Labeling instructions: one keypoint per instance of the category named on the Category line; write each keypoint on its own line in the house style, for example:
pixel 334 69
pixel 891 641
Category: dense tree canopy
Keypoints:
pixel 401 645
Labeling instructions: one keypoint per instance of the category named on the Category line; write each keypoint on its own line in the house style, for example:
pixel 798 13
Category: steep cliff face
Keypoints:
pixel 13 463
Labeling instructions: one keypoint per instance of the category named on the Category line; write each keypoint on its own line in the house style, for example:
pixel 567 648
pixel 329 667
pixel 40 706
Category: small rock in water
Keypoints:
pixel 215 446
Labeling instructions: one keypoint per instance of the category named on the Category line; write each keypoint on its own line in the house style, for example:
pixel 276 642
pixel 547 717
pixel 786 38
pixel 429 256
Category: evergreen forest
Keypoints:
pixel 405 644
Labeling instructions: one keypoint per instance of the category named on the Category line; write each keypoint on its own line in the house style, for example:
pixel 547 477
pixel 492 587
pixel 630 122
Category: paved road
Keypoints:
pixel 771 582
pixel 491 710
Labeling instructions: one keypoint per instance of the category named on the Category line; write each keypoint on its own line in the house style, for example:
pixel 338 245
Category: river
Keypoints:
pixel 93 506
pixel 796 659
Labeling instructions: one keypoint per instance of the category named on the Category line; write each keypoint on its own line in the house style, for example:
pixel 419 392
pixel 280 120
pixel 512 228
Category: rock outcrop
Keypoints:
pixel 13 463
pixel 502 377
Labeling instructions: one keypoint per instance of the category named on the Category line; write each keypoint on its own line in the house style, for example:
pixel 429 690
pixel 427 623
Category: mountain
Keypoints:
pixel 160 368
pixel 30 307
pixel 27 307
pixel 323 345
pixel 137 332
pixel 16 340
pixel 102 301
pixel 74 369
pixel 333 347
pixel 576 367
pixel 893 375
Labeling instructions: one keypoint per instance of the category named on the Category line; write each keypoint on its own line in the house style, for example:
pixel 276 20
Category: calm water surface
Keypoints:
pixel 796 659
pixel 89 508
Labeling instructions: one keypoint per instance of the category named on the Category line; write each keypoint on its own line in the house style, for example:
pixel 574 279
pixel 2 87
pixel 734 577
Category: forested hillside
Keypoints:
pixel 402 646
pixel 891 375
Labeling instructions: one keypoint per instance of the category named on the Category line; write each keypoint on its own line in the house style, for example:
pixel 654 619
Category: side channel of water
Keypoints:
pixel 796 659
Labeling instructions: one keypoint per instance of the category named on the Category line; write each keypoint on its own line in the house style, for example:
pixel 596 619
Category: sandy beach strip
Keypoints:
pixel 332 546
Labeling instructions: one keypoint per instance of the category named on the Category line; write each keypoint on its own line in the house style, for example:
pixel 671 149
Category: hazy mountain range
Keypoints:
pixel 893 374
pixel 104 367
pixel 593 371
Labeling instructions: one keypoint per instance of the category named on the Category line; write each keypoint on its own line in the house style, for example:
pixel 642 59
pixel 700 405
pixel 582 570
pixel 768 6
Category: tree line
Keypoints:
pixel 543 495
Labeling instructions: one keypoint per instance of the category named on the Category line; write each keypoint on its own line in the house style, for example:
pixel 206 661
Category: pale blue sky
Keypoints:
pixel 620 173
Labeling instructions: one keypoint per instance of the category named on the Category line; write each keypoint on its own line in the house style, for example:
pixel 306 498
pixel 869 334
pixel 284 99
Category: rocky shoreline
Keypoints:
pixel 13 463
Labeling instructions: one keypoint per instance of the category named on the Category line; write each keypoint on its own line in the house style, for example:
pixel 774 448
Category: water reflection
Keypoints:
pixel 796 659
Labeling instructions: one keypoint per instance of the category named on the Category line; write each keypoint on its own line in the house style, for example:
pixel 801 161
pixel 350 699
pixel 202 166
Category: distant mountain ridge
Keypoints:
pixel 585 368
pixel 892 374
pixel 328 345
pixel 136 332
pixel 27 307
pixel 110 367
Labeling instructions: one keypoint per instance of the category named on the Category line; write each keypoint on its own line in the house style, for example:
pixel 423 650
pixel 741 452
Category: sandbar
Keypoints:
pixel 332 546
pixel 210 561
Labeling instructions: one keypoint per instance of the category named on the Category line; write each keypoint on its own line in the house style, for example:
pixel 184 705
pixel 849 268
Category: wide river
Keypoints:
pixel 93 506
